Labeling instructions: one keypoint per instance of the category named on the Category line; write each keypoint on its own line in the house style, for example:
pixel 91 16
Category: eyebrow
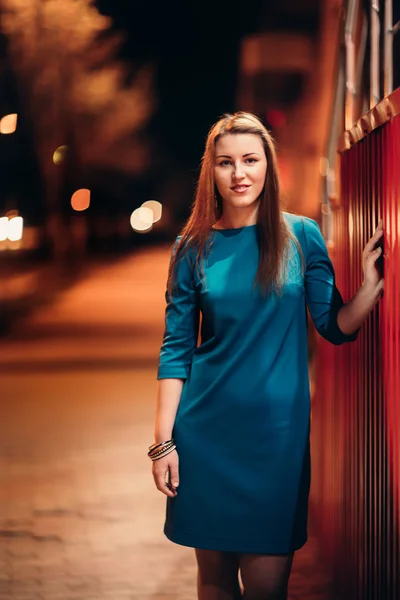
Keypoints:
pixel 244 155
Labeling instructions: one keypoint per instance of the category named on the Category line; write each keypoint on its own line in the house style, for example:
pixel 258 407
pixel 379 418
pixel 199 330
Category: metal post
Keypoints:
pixel 350 63
pixel 388 49
pixel 374 96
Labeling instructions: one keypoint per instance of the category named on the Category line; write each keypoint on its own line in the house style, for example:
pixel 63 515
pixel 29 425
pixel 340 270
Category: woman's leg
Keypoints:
pixel 265 577
pixel 217 575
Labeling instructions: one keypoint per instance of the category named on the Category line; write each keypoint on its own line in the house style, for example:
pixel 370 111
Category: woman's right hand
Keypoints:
pixel 166 474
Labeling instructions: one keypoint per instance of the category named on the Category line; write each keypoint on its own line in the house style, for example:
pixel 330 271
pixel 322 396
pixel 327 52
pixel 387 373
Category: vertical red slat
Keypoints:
pixel 355 496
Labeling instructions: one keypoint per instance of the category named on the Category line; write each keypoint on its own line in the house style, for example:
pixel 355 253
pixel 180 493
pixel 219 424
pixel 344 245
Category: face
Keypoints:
pixel 240 169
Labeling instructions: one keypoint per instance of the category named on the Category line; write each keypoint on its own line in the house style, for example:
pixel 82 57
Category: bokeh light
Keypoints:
pixel 142 219
pixel 15 229
pixel 155 207
pixel 81 199
pixel 8 124
pixel 59 155
pixel 3 229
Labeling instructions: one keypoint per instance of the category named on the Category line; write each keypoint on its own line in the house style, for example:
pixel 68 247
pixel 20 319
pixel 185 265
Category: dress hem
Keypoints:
pixel 228 545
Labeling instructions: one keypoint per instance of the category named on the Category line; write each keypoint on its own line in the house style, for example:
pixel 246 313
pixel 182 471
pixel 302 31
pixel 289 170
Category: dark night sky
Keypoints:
pixel 195 47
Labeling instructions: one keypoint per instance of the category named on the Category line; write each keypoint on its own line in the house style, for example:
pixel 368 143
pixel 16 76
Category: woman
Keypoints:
pixel 236 406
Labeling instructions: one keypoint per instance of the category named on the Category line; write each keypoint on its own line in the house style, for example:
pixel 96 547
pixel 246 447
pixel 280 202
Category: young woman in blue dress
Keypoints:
pixel 231 449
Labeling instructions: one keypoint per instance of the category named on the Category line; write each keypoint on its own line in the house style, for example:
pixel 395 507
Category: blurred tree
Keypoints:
pixel 75 92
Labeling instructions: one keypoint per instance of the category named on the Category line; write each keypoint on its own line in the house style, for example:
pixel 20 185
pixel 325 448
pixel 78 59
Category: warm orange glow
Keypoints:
pixel 8 124
pixel 80 199
pixel 156 207
pixel 323 166
pixel 59 155
pixel 142 219
pixel 3 229
pixel 285 172
pixel 11 228
pixel 15 228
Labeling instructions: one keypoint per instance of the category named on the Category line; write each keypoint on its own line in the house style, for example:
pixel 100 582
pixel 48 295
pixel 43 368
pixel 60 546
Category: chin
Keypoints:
pixel 243 202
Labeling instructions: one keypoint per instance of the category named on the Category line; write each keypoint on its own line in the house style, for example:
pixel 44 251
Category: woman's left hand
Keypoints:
pixel 372 278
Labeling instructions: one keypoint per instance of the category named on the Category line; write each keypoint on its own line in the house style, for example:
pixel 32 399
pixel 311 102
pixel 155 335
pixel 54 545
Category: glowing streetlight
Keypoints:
pixel 15 229
pixel 3 229
pixel 8 124
pixel 156 207
pixel 81 199
pixel 142 219
pixel 59 155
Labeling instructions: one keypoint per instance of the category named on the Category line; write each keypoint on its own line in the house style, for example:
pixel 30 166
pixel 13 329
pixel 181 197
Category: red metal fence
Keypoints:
pixel 356 409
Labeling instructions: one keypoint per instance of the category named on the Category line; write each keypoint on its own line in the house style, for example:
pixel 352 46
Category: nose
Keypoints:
pixel 238 172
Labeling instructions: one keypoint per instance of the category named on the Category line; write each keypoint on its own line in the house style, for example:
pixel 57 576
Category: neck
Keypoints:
pixel 232 219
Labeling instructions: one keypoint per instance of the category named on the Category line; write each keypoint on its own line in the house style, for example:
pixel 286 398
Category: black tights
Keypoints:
pixel 264 577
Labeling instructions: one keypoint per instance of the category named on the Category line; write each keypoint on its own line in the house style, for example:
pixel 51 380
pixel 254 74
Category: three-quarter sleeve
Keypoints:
pixel 181 321
pixel 323 298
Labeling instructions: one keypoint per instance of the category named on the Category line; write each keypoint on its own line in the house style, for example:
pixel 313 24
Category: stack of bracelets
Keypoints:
pixel 157 451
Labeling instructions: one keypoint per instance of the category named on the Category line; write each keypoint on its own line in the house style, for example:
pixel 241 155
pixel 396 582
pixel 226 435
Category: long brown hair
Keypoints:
pixel 274 235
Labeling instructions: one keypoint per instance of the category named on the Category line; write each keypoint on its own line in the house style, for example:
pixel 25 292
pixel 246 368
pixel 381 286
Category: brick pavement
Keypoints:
pixel 79 516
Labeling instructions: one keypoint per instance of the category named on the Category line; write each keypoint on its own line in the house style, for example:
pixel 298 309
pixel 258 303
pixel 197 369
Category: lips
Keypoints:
pixel 240 189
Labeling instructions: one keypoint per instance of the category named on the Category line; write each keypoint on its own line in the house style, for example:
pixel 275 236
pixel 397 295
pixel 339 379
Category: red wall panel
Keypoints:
pixel 355 497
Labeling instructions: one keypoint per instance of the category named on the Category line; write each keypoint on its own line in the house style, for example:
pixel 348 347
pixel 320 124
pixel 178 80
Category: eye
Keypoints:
pixel 224 163
pixel 251 161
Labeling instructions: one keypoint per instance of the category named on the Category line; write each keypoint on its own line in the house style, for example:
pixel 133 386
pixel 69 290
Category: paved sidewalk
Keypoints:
pixel 80 518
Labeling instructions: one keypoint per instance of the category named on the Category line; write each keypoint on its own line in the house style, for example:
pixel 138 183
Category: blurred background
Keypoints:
pixel 104 111
pixel 116 99
pixel 106 106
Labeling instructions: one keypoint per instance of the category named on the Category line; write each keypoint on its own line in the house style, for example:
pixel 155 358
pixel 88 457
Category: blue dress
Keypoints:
pixel 242 428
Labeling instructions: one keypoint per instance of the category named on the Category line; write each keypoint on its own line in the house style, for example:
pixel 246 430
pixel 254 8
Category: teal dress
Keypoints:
pixel 242 428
